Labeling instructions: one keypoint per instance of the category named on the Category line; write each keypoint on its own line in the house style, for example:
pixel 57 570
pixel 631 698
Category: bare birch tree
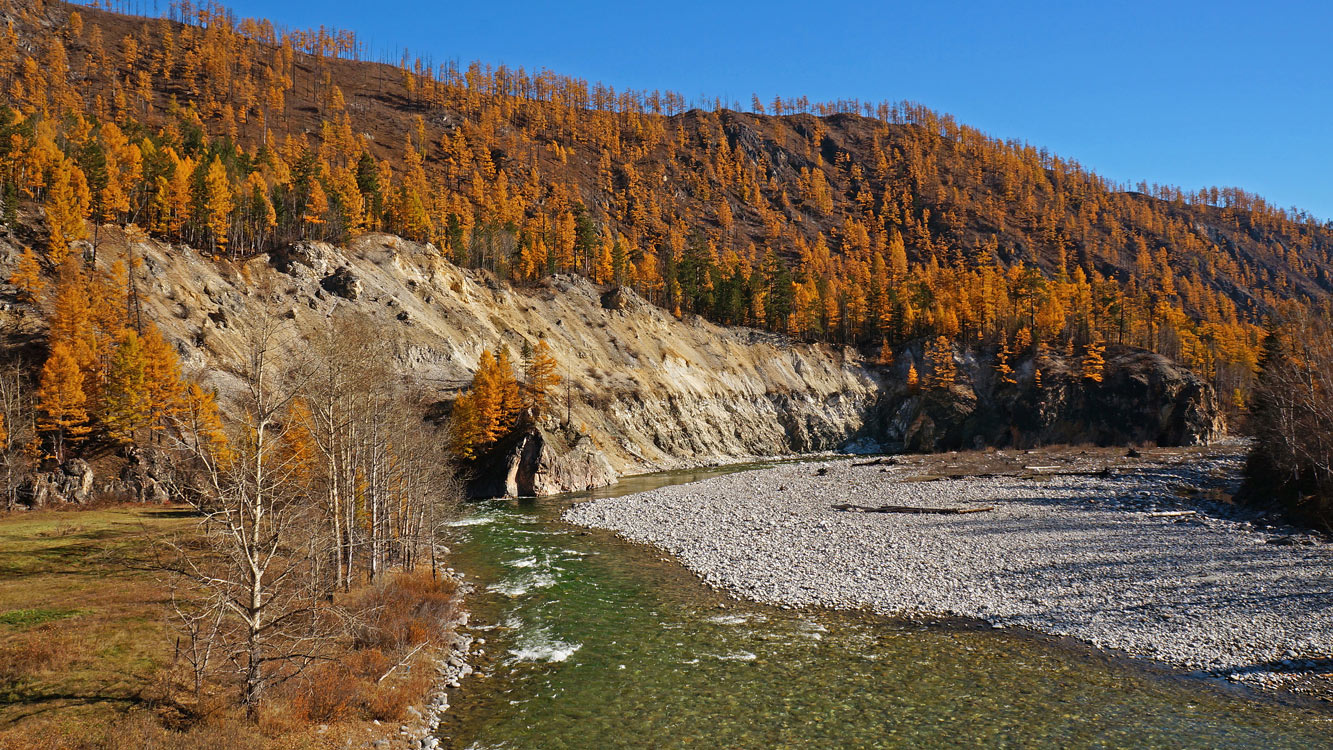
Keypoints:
pixel 16 431
pixel 331 478
pixel 380 464
pixel 260 552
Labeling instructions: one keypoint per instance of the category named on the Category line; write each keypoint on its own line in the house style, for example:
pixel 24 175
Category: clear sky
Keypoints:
pixel 1189 93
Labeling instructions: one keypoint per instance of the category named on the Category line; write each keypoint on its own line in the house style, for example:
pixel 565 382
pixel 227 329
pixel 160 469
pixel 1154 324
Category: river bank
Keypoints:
pixel 90 648
pixel 450 662
pixel 1138 553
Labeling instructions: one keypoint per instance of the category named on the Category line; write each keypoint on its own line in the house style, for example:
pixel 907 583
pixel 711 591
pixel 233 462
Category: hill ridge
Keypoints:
pixel 837 227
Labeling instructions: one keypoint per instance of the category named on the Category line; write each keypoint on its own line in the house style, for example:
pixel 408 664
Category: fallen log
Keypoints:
pixel 1105 471
pixel 400 663
pixel 910 509
pixel 1171 513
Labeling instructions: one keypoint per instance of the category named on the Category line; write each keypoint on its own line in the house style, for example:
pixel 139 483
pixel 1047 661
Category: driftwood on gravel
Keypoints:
pixel 1099 473
pixel 1048 471
pixel 910 509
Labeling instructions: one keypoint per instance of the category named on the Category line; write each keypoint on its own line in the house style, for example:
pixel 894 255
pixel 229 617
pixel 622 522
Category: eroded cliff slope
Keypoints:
pixel 648 390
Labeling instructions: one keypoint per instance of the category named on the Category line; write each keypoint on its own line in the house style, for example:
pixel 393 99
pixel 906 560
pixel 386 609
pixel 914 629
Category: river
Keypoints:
pixel 593 642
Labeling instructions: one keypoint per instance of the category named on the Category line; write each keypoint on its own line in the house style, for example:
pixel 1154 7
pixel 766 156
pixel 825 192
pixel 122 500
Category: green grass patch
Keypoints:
pixel 27 618
pixel 83 624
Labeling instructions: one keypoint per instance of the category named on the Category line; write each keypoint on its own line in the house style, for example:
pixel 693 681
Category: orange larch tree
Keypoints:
pixel 217 203
pixel 67 206
pixel 540 377
pixel 62 405
pixel 124 404
pixel 27 277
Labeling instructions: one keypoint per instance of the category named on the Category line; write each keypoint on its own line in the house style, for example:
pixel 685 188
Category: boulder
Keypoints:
pixel 618 298
pixel 144 478
pixel 343 283
pixel 43 492
pixel 76 480
pixel 302 259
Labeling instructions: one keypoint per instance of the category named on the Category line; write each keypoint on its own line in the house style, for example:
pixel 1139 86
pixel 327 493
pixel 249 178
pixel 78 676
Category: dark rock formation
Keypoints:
pixel 537 461
pixel 144 478
pixel 806 420
pixel 619 298
pixel 343 283
pixel 1143 398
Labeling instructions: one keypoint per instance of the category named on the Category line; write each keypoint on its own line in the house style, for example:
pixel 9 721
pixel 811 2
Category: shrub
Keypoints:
pixel 388 700
pixel 327 693
pixel 406 610
pixel 378 678
pixel 370 662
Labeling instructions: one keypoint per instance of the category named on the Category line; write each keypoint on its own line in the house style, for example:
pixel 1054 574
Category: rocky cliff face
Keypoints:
pixel 1142 398
pixel 642 390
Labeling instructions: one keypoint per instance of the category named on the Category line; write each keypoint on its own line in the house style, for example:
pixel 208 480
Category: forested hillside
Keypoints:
pixel 850 222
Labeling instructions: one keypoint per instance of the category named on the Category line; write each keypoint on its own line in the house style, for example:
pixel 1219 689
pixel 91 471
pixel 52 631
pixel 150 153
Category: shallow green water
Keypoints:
pixel 595 643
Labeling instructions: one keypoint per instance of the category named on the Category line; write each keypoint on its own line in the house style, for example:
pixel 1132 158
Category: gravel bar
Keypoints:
pixel 1079 555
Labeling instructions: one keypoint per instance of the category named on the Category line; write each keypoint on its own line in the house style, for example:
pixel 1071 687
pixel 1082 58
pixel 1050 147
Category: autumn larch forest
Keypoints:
pixel 850 222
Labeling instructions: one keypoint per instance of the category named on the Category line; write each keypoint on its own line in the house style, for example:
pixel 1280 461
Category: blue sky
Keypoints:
pixel 1186 93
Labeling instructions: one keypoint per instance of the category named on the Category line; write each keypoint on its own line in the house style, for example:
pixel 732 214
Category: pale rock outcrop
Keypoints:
pixel 71 482
pixel 648 391
pixel 542 461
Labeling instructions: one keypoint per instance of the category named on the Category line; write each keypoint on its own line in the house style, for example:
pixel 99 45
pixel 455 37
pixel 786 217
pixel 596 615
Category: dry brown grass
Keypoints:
pixel 35 654
pixel 406 610
pixel 82 636
pixel 389 665
pixel 86 646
